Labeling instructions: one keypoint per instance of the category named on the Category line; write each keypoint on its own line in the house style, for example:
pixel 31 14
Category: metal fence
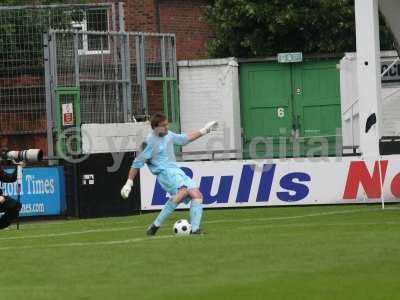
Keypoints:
pixel 22 71
pixel 112 73
pixel 81 48
pixel 96 69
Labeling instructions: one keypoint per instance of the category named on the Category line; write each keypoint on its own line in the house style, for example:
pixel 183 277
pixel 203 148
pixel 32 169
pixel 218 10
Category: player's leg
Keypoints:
pixel 170 206
pixel 196 202
pixel 4 223
pixel 3 218
pixel 196 209
pixel 167 210
pixel 11 209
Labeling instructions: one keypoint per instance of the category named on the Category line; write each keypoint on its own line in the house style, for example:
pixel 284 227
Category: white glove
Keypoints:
pixel 126 189
pixel 208 127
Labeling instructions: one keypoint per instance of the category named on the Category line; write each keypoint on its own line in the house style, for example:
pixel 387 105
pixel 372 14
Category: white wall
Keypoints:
pixel 111 138
pixel 209 90
pixel 349 98
pixel 391 110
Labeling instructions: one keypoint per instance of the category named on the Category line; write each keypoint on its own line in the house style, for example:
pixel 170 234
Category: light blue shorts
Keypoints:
pixel 172 179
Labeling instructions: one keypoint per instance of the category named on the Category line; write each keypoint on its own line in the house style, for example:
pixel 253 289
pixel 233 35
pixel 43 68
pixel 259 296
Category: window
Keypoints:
pixel 93 20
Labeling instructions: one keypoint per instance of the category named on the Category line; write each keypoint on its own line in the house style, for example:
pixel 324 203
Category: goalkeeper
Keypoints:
pixel 159 156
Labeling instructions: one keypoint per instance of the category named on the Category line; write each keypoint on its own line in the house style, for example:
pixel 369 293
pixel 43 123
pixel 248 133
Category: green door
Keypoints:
pixel 266 95
pixel 289 109
pixel 171 104
pixel 316 97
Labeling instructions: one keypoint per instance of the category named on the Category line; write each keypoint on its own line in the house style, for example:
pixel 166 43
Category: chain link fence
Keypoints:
pixel 83 52
pixel 96 68
pixel 22 71
pixel 113 73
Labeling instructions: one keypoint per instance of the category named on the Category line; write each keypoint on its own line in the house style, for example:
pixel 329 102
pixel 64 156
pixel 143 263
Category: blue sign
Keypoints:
pixel 42 192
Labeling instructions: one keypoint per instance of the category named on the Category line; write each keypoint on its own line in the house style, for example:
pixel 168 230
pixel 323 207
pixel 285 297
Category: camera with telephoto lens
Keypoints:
pixel 30 155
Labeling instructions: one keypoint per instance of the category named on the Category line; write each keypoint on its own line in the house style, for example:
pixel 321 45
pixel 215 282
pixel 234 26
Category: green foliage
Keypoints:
pixel 254 28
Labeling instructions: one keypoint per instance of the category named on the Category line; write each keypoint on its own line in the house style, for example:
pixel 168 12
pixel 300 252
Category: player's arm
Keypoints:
pixel 192 136
pixel 132 173
pixel 213 125
pixel 183 139
pixel 138 163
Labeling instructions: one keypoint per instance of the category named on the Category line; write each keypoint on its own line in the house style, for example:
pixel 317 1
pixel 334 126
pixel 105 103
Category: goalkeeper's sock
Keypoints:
pixel 167 210
pixel 196 212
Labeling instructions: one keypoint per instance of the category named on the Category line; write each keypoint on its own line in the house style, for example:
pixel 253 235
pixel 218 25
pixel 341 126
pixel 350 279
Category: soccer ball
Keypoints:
pixel 182 227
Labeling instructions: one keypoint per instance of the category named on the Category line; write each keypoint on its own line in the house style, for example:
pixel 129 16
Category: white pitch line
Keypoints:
pixel 34 224
pixel 302 225
pixel 50 223
pixel 81 244
pixel 293 217
pixel 287 217
pixel 206 222
pixel 134 240
pixel 71 233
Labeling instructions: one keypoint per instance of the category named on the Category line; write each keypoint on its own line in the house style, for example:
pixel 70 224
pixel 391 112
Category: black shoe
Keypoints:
pixel 198 232
pixel 4 224
pixel 152 230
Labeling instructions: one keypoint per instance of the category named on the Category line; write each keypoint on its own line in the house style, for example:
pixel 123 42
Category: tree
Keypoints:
pixel 255 28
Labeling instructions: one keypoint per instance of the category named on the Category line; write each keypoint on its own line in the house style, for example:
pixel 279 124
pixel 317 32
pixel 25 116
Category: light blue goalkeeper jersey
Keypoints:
pixel 159 152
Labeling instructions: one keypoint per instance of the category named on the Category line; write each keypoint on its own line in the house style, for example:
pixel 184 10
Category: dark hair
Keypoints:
pixel 156 119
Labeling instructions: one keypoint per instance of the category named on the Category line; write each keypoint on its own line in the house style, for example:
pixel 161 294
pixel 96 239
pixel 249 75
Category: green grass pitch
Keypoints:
pixel 319 252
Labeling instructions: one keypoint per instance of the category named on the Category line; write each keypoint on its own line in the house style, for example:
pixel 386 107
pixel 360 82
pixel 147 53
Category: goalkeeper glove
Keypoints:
pixel 208 127
pixel 126 189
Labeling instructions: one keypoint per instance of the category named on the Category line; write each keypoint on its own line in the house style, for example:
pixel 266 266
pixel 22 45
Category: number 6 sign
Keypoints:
pixel 281 112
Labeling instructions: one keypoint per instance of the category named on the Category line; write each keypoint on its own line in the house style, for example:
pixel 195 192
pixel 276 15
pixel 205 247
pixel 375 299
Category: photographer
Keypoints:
pixel 9 206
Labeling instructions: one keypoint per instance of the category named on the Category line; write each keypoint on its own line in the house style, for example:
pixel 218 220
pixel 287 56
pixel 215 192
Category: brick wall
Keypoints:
pixel 182 17
pixel 21 142
pixel 155 96
pixel 141 15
